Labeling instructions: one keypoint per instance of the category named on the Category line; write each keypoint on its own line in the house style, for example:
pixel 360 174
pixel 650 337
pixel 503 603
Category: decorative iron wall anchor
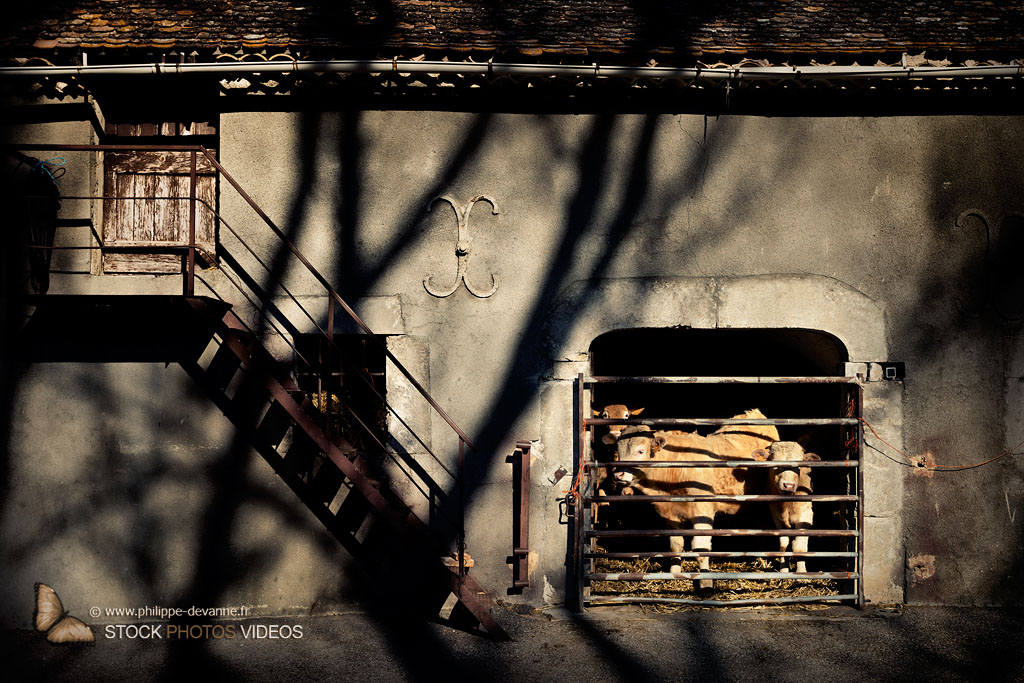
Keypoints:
pixel 462 248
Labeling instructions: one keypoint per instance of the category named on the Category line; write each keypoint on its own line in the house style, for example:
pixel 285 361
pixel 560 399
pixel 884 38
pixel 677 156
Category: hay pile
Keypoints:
pixel 344 423
pixel 732 589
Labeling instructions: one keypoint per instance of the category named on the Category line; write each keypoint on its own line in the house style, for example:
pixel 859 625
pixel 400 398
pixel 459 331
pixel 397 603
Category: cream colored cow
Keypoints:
pixel 786 481
pixel 731 442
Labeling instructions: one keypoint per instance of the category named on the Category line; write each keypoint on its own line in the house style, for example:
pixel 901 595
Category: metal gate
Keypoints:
pixel 836 545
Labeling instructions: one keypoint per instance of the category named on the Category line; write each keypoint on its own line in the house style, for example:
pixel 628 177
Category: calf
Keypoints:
pixel 787 480
pixel 732 442
pixel 616 411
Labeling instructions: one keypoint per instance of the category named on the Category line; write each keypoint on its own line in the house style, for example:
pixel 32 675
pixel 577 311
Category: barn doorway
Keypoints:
pixel 695 381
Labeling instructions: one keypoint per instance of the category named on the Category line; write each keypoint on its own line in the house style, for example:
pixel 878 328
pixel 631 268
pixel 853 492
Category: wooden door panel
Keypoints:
pixel 155 218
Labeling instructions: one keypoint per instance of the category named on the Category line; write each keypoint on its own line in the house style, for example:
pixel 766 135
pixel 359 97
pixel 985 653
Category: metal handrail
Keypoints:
pixel 277 231
pixel 184 246
pixel 333 294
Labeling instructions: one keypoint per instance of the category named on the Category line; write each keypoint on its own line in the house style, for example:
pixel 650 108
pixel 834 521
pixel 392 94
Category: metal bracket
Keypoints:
pixel 519 559
pixel 883 371
pixel 462 248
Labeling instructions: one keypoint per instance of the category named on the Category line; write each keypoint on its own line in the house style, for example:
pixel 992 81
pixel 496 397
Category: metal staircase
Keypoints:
pixel 334 480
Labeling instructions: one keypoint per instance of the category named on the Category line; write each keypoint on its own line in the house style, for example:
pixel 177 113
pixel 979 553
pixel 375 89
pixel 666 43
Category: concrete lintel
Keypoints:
pixel 811 302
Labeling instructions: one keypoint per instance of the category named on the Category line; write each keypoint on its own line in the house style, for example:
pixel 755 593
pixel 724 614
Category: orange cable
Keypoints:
pixel 939 468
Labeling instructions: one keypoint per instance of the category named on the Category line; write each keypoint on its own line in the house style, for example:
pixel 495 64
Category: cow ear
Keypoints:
pixel 660 441
pixel 759 454
pixel 812 456
pixel 609 439
pixel 635 411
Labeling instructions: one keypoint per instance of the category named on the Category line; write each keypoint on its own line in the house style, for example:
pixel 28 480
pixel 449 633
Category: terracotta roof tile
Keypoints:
pixel 378 27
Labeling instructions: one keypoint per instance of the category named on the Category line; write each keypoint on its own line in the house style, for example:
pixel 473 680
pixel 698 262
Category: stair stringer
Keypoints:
pixel 415 536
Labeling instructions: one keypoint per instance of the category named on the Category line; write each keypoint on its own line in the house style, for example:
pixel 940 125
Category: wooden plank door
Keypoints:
pixel 147 211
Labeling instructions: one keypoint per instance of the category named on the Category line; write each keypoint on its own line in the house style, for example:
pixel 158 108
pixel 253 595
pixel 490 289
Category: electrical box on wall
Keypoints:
pixel 887 371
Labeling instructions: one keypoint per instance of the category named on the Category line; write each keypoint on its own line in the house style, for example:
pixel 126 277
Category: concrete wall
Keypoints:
pixel 896 235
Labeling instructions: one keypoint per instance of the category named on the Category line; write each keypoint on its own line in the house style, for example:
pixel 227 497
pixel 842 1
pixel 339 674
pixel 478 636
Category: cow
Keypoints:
pixel 787 480
pixel 616 411
pixel 731 442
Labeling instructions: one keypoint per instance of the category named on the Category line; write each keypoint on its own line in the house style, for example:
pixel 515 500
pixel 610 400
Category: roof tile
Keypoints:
pixel 682 27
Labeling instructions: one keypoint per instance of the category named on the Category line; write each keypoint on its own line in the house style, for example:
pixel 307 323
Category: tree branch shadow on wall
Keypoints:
pixel 958 331
pixel 582 222
pixel 218 568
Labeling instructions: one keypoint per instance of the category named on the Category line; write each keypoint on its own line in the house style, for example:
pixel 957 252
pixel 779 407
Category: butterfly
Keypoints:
pixel 51 618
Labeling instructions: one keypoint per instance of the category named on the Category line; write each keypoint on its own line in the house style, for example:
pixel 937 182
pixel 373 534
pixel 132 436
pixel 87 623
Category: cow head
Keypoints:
pixel 636 442
pixel 616 411
pixel 787 479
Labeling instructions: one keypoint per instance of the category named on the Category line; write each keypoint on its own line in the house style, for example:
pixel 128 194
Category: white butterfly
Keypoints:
pixel 51 619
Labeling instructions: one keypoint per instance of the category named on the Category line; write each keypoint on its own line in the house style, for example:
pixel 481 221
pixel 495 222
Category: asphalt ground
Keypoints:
pixel 606 644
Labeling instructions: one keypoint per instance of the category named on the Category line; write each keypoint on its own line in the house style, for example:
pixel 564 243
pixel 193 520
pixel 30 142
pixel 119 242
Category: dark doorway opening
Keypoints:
pixel 352 372
pixel 679 374
pixel 719 353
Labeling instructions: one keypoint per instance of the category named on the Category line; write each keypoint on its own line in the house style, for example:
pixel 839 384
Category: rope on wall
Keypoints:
pixel 918 463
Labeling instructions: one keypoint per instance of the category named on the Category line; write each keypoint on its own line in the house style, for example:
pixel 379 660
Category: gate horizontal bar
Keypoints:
pixel 598 601
pixel 725 463
pixel 719 421
pixel 811 498
pixel 725 576
pixel 645 533
pixel 616 379
pixel 711 553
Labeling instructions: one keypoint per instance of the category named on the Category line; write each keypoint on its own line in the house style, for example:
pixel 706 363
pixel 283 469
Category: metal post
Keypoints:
pixel 462 511
pixel 579 540
pixel 190 284
pixel 328 386
pixel 520 460
pixel 859 393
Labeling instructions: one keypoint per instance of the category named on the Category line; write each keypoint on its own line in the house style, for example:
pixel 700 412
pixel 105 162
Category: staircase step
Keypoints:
pixel 223 367
pixel 251 397
pixel 275 425
pixel 301 455
pixel 319 470
pixel 326 481
pixel 352 514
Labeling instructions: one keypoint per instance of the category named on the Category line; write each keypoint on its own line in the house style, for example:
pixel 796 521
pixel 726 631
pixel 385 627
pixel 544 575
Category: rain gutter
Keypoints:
pixel 398 66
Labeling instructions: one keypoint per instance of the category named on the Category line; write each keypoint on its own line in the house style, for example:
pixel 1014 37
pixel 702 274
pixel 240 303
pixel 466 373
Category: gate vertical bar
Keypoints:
pixel 578 498
pixel 190 285
pixel 859 394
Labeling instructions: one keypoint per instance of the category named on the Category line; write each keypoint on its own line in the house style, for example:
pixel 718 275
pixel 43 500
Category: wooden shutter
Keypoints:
pixel 138 228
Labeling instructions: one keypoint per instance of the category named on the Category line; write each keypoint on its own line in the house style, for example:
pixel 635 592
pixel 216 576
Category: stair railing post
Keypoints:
pixel 190 285
pixel 328 386
pixel 462 511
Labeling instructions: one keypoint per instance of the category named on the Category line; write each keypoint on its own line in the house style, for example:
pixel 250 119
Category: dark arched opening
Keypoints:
pixel 684 352
pixel 657 370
